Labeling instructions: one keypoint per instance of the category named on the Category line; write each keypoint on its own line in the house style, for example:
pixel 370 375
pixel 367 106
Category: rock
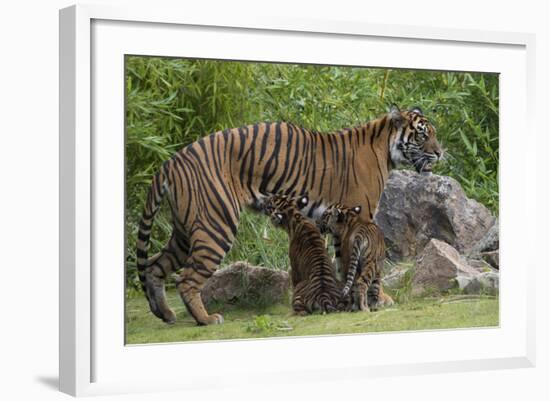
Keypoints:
pixel 440 267
pixel 393 277
pixel 488 243
pixel 243 282
pixel 414 209
pixel 487 283
pixel 487 249
pixel 480 265
pixel 491 257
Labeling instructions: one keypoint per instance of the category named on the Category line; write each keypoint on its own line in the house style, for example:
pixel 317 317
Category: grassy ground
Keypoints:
pixel 277 320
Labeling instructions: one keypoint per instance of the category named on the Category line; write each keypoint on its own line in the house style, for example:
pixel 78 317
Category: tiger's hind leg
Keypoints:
pixel 189 285
pixel 337 260
pixel 362 288
pixel 365 280
pixel 298 305
pixel 207 251
pixel 373 294
pixel 158 268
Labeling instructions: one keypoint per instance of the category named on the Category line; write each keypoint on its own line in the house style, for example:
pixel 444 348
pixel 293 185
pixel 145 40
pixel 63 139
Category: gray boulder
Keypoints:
pixel 241 282
pixel 487 282
pixel 415 208
pixel 487 249
pixel 394 276
pixel 488 243
pixel 491 257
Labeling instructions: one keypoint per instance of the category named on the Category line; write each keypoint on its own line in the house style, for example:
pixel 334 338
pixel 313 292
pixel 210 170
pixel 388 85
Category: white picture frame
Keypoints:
pixel 93 358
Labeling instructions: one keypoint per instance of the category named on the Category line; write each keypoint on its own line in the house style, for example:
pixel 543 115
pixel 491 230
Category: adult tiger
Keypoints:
pixel 210 181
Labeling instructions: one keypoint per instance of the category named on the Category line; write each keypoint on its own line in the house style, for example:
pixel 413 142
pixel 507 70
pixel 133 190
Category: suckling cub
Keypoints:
pixel 313 280
pixel 362 251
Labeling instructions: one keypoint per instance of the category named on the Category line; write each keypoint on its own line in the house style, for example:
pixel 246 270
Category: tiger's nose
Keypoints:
pixel 438 154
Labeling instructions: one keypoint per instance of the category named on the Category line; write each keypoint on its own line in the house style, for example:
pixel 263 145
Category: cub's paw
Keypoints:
pixel 385 300
pixel 364 308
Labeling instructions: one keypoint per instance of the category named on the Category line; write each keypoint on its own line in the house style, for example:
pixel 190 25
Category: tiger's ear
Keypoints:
pixel 417 110
pixel 278 218
pixel 357 209
pixel 303 201
pixel 395 115
pixel 340 216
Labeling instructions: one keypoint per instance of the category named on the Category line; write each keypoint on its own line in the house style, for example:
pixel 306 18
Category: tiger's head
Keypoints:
pixel 415 142
pixel 336 218
pixel 281 208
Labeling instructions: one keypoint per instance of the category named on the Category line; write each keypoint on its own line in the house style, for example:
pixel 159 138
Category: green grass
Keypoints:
pixel 278 321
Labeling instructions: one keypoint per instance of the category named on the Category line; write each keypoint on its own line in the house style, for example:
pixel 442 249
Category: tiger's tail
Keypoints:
pixel 154 197
pixel 353 266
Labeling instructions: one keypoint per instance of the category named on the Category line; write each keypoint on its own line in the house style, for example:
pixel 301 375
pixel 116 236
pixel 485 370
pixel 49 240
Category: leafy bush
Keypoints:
pixel 172 102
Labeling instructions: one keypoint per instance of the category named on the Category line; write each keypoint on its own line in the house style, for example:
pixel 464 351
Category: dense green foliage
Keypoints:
pixel 172 102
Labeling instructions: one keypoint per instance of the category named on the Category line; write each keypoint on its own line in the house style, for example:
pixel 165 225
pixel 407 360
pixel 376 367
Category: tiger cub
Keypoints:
pixel 362 251
pixel 314 284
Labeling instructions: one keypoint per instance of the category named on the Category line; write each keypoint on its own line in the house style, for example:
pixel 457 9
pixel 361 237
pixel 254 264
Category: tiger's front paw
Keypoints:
pixel 169 317
pixel 214 318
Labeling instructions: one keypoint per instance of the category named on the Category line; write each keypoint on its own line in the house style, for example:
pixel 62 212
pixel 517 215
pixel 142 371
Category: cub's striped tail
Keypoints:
pixel 154 197
pixel 354 265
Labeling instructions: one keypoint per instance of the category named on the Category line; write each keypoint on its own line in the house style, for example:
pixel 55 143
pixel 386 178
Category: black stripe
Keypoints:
pixel 283 176
pixel 252 160
pixel 143 237
pixel 368 205
pixel 313 150
pixel 144 226
pixel 267 175
pixel 182 169
pixel 242 138
pixel 264 141
pixel 324 155
pixel 380 187
pixel 295 172
pixel 381 126
pixel 141 253
pixel 245 157
pixel 206 248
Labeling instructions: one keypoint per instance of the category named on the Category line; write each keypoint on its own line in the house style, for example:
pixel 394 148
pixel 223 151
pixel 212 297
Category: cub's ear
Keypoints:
pixel 340 216
pixel 264 205
pixel 260 204
pixel 303 201
pixel 395 115
pixel 417 110
pixel 278 218
pixel 357 209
